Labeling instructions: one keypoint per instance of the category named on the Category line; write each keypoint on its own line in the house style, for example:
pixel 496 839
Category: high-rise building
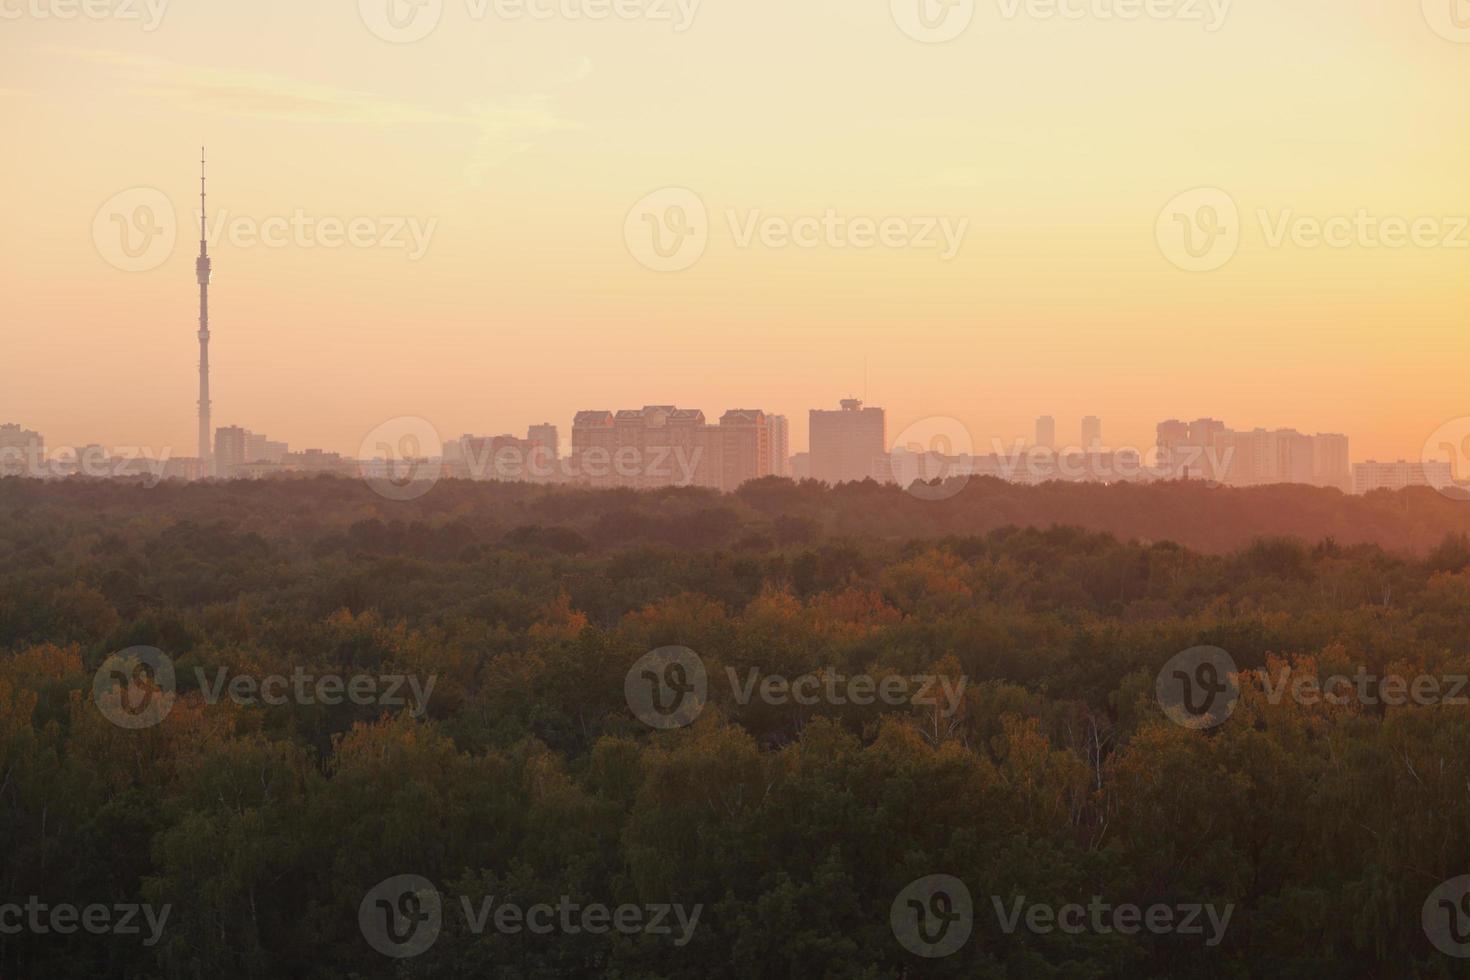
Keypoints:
pixel 1046 432
pixel 745 447
pixel 1091 433
pixel 1330 464
pixel 663 445
pixel 1206 449
pixel 22 452
pixel 849 444
pixel 231 450
pixel 780 431
pixel 1374 475
pixel 546 437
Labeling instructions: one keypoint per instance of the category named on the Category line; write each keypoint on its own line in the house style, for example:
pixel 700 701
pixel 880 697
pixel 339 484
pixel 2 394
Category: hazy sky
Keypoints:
pixel 519 148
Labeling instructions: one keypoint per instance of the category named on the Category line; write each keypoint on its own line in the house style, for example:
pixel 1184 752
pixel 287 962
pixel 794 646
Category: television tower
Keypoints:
pixel 202 269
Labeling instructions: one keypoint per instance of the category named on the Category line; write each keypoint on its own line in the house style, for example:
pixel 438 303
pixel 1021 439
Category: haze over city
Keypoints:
pixel 516 147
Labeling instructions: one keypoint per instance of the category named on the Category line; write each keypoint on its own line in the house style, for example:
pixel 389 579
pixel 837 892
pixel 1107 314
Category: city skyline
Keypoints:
pixel 498 276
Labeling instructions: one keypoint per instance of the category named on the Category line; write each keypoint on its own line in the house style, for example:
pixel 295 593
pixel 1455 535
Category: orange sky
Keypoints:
pixel 521 144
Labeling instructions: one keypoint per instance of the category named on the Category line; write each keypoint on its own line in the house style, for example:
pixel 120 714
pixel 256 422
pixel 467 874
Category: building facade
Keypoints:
pixel 849 444
pixel 663 445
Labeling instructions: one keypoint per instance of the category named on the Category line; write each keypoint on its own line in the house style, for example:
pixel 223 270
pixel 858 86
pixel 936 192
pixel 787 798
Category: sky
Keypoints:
pixel 984 210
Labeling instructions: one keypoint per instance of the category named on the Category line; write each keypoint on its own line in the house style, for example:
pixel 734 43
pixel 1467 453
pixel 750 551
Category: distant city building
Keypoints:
pixel 231 450
pixel 745 447
pixel 22 452
pixel 663 445
pixel 545 435
pixel 801 466
pixel 1092 433
pixel 1374 475
pixel 1046 432
pixel 1206 450
pixel 780 432
pixel 497 458
pixel 847 445
pixel 1331 466
pixel 240 453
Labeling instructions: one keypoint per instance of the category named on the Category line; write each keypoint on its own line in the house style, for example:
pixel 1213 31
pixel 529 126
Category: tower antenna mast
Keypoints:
pixel 202 270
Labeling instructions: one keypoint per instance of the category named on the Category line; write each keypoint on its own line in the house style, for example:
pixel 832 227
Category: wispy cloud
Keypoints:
pixel 504 128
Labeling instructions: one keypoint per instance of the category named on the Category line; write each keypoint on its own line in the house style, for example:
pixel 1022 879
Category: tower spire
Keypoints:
pixel 202 270
pixel 203 249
